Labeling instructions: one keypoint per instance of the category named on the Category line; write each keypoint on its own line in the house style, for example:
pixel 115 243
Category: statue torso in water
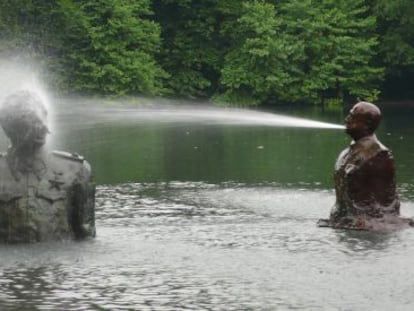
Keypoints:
pixel 50 198
pixel 364 184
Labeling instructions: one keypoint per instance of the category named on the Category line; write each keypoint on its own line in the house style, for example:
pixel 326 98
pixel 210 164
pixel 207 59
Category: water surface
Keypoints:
pixel 212 215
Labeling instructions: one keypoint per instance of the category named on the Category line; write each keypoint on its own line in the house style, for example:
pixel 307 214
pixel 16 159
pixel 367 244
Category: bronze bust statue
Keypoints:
pixel 365 185
pixel 43 195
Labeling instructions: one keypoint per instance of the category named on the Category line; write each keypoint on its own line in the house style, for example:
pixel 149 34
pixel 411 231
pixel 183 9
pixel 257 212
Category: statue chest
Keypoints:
pixel 32 191
pixel 33 209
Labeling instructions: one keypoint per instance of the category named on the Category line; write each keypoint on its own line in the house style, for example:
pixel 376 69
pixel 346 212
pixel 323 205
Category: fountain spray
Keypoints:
pixel 22 76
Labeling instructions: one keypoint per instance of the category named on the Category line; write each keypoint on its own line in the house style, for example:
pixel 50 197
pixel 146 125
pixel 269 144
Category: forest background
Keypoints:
pixel 239 52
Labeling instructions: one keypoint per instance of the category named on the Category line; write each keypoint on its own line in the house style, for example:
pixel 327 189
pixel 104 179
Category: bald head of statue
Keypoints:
pixel 362 120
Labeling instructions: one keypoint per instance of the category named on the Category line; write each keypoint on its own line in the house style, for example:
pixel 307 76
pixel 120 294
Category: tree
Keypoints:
pixel 192 45
pixel 340 44
pixel 302 51
pixel 110 47
pixel 106 47
pixel 242 52
pixel 263 61
pixel 396 49
pixel 30 28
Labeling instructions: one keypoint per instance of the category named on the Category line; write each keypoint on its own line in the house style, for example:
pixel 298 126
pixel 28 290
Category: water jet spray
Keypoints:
pixel 19 76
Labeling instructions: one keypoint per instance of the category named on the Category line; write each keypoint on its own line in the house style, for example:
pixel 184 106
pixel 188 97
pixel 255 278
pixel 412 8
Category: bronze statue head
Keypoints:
pixel 23 119
pixel 362 120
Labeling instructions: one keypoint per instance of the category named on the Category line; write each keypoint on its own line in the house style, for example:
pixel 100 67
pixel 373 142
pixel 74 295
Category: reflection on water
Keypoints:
pixel 199 246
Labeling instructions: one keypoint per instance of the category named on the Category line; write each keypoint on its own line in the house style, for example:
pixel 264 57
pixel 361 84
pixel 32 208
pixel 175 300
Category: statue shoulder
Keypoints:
pixel 369 147
pixel 68 156
pixel 377 145
pixel 341 158
pixel 71 162
pixel 385 155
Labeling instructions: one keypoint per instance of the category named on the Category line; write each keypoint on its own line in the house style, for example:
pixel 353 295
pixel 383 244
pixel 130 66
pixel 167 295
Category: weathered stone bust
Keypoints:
pixel 43 195
pixel 365 186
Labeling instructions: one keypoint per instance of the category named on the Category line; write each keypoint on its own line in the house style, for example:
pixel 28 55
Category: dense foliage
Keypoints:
pixel 234 51
pixel 396 52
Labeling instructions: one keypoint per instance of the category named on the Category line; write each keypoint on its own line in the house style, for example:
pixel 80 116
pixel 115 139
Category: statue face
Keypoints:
pixel 23 118
pixel 355 122
pixel 36 131
pixel 362 120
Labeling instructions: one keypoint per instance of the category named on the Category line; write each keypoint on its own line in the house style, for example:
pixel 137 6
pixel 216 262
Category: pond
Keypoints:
pixel 196 211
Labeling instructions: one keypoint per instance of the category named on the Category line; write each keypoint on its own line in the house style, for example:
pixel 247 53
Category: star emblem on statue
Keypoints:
pixel 55 184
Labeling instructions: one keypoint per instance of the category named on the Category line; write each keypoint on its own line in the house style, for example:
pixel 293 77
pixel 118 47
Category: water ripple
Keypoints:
pixel 197 246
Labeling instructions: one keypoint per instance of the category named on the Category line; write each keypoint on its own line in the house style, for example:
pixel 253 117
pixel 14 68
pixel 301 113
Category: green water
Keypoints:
pixel 126 149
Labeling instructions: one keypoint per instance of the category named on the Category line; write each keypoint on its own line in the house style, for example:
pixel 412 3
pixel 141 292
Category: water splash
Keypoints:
pixel 171 112
pixel 246 117
pixel 16 76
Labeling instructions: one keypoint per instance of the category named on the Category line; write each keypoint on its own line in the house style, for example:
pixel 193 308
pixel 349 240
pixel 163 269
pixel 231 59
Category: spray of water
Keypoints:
pixel 16 76
pixel 244 117
pixel 171 112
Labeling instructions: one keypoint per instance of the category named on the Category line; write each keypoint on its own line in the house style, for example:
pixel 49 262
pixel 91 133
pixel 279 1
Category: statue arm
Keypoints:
pixel 384 183
pixel 372 186
pixel 83 203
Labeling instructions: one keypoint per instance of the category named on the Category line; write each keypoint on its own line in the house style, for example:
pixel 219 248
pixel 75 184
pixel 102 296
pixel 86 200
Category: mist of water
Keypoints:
pixel 16 76
pixel 238 117
pixel 173 111
pixel 169 112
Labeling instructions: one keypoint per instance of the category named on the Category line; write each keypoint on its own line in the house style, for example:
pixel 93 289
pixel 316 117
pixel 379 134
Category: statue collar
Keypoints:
pixel 22 165
pixel 364 141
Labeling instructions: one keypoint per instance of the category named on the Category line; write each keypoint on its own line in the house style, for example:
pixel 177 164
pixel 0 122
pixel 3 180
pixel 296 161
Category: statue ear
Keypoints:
pixel 370 126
